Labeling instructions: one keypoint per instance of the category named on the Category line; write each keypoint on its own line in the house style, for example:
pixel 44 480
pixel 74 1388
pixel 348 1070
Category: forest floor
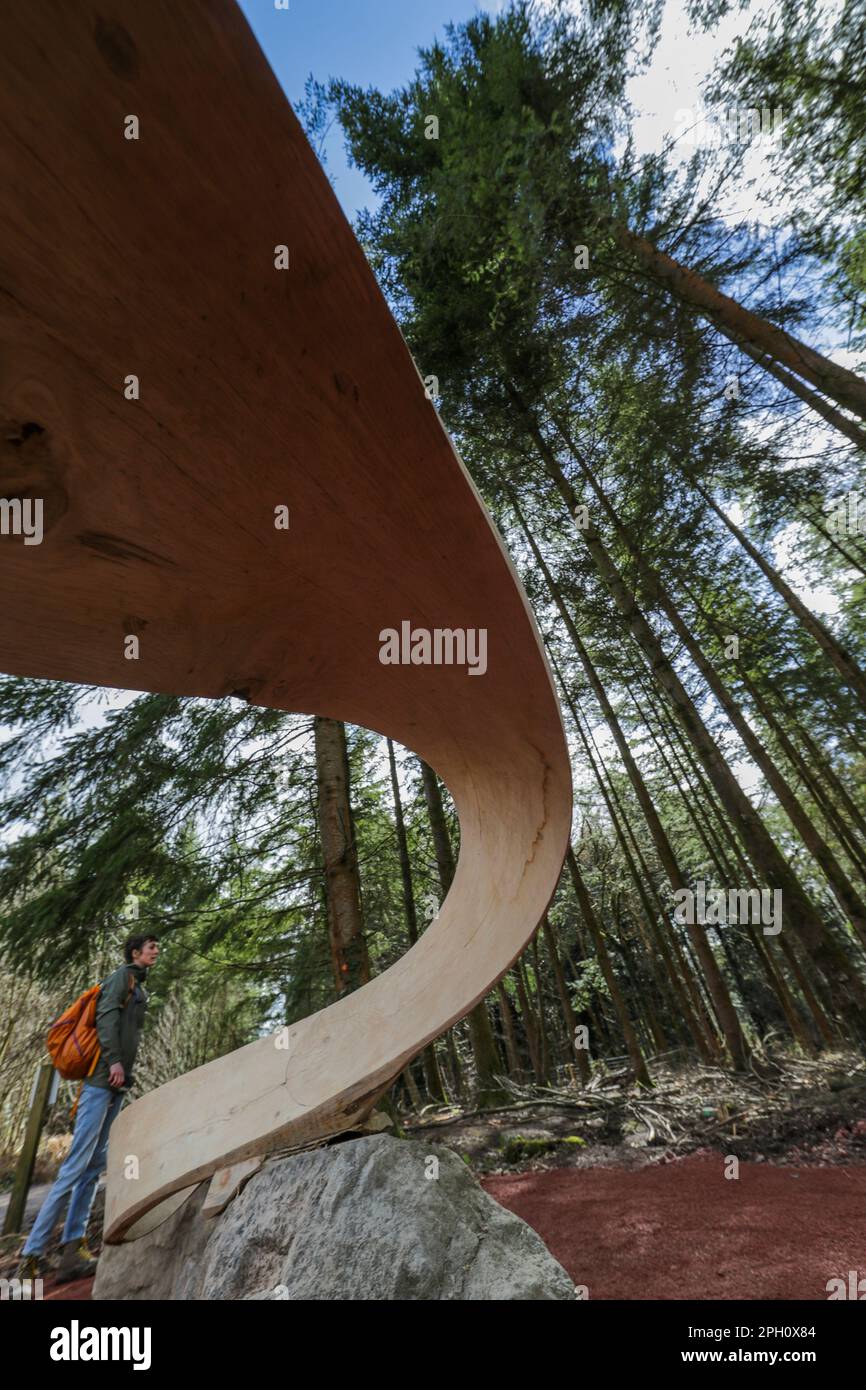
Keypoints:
pixel 628 1189
pixel 802 1112
pixel 635 1195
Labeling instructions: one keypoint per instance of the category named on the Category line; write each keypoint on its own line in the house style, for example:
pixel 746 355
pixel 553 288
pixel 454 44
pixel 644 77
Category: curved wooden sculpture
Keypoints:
pixel 259 387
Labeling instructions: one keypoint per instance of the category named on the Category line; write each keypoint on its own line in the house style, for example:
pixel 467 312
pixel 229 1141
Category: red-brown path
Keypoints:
pixel 682 1230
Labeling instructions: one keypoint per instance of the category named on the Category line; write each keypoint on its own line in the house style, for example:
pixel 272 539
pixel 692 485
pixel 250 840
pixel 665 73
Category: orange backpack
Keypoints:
pixel 72 1040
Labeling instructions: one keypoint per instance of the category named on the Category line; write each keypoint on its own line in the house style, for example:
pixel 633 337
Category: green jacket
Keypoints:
pixel 118 1024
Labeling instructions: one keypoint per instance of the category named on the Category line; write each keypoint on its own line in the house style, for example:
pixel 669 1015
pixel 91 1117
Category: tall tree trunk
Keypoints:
pixel 458 1080
pixel 817 846
pixel 851 904
pixel 789 1007
pixel 771 865
pixel 515 1066
pixel 851 559
pixel 848 899
pixel 725 1011
pixel 350 962
pixel 546 1051
pixel 842 659
pixel 708 798
pixel 632 1045
pixel 581 1054
pixel 527 1016
pixel 698 798
pixel 824 768
pixel 741 326
pixel 432 1077
pixel 828 1030
pixel 779 986
pixel 686 997
pixel 642 997
pixel 349 959
pixel 750 1007
pixel 412 1088
pixel 853 847
pixel 488 1065
pixel 834 417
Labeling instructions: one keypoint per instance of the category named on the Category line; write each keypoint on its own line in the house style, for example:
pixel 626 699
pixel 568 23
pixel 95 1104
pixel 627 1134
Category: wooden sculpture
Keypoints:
pixel 192 340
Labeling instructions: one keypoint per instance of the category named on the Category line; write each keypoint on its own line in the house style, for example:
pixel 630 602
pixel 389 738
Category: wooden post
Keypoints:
pixel 41 1098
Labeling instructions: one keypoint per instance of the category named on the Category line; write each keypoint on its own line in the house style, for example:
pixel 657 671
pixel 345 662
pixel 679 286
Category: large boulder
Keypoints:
pixel 368 1218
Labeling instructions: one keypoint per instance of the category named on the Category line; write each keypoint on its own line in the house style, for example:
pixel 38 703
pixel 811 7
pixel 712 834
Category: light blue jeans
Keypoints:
pixel 80 1171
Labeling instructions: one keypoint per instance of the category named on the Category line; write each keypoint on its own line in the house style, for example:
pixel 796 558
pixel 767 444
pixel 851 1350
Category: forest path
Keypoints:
pixel 683 1230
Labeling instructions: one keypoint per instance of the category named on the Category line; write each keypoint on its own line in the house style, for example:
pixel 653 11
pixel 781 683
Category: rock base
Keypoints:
pixel 370 1218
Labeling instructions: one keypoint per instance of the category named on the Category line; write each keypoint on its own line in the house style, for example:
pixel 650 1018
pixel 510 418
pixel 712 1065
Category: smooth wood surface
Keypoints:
pixel 259 387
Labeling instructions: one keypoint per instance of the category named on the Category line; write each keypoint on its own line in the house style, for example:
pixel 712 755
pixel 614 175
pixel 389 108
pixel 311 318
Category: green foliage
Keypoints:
pixel 811 64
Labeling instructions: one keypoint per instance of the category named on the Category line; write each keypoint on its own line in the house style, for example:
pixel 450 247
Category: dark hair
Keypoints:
pixel 135 943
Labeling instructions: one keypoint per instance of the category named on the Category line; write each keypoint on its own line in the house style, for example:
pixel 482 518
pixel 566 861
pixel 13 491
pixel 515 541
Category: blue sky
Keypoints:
pixel 375 43
pixel 371 42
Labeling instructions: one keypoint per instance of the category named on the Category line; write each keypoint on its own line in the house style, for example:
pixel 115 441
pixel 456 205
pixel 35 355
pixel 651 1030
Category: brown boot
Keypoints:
pixel 31 1268
pixel 76 1262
